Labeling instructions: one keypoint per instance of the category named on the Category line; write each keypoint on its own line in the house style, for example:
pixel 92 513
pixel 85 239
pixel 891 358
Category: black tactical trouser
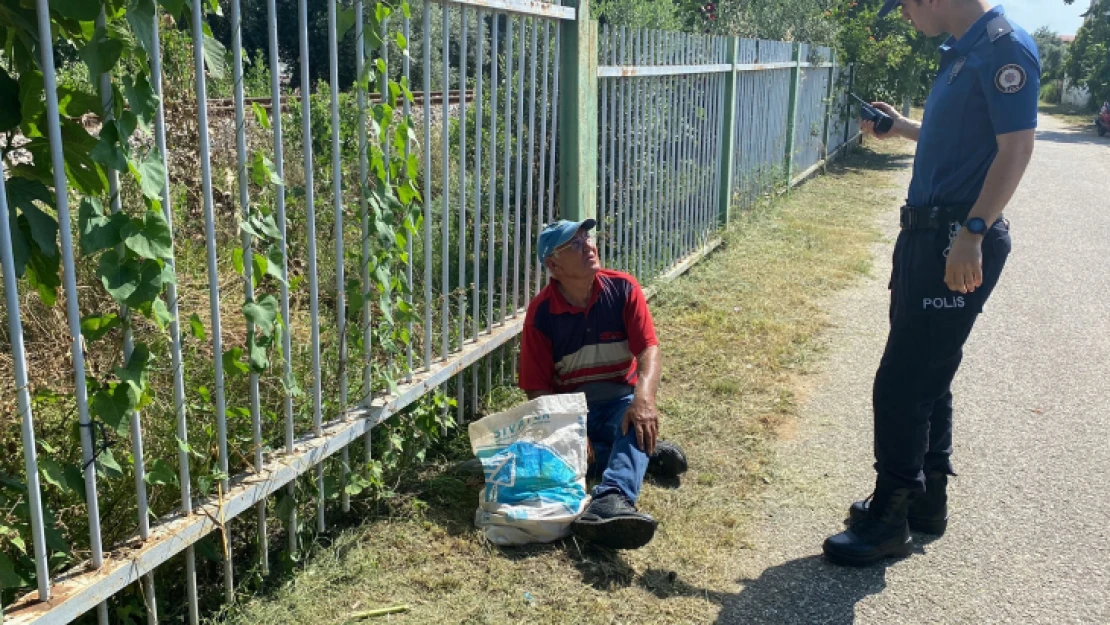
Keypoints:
pixel 928 327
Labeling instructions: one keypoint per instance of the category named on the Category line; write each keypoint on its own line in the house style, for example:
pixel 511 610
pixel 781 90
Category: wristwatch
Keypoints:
pixel 976 225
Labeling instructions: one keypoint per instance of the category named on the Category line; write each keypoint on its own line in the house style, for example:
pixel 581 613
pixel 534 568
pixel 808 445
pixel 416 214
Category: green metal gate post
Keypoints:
pixel 578 115
pixel 795 82
pixel 829 105
pixel 728 135
pixel 847 123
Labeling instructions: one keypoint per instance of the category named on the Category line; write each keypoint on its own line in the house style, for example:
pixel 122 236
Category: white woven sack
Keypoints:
pixel 534 461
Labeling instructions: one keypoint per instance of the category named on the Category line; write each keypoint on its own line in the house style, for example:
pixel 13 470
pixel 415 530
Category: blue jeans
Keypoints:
pixel 618 457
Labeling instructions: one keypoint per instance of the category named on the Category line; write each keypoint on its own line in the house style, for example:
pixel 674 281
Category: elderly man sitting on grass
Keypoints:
pixel 589 331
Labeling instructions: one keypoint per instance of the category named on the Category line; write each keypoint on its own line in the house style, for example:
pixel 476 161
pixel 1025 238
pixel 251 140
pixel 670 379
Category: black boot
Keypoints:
pixel 612 521
pixel 668 461
pixel 929 511
pixel 883 532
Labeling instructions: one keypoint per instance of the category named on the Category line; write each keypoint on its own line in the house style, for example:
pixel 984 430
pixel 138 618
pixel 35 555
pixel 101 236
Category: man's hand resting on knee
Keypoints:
pixel 643 416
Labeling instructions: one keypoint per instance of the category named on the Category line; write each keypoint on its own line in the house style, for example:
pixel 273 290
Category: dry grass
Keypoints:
pixel 737 332
pixel 1077 116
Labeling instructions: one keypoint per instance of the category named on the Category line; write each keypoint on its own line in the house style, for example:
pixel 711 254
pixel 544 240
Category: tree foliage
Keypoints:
pixel 892 60
pixel 1088 59
pixel 1052 51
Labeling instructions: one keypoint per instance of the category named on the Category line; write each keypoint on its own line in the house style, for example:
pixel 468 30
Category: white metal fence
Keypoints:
pixel 419 271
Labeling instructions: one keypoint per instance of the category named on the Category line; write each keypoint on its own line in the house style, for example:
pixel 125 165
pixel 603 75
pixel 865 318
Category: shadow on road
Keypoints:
pixel 866 159
pixel 802 591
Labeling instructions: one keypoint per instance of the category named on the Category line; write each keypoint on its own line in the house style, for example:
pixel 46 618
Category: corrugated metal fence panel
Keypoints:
pixel 838 116
pixel 809 129
pixel 659 141
pixel 762 118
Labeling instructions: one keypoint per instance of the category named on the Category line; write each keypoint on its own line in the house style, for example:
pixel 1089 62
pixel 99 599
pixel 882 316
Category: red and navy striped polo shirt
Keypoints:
pixel 566 349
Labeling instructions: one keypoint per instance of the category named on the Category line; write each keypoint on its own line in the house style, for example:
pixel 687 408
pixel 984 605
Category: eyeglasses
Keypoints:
pixel 578 244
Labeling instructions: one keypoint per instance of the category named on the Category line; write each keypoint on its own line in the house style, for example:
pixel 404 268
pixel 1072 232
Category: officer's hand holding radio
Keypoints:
pixel 903 127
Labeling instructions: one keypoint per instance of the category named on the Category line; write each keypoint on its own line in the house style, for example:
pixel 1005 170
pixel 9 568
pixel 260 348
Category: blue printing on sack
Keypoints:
pixel 527 472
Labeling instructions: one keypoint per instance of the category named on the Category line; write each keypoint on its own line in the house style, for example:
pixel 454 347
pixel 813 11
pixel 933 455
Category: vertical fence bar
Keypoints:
pixel 703 141
pixel 69 278
pixel 690 137
pixel 578 133
pixel 672 152
pixel 490 258
pixel 310 206
pixel 707 83
pixel 679 83
pixel 727 157
pixel 676 153
pixel 638 145
pixel 279 208
pixel 248 261
pixel 463 60
pixel 792 112
pixel 107 98
pixel 19 362
pixel 614 191
pixel 704 195
pixel 363 210
pixel 507 172
pixel 638 135
pixel 175 321
pixel 462 185
pixel 213 279
pixel 659 133
pixel 644 163
pixel 406 72
pixel 544 104
pixel 695 142
pixel 625 154
pixel 340 256
pixel 429 330
pixel 337 199
pixel 657 143
pixel 479 58
pixel 445 217
pixel 554 125
pixel 603 131
pixel 830 92
pixel 719 140
pixel 518 130
pixel 531 161
pixel 697 156
pixel 651 227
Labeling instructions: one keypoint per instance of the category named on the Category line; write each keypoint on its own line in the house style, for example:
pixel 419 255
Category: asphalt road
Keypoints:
pixel 1029 535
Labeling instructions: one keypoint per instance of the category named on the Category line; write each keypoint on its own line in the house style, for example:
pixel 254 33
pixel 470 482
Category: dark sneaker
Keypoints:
pixel 612 521
pixel 929 511
pixel 882 533
pixel 668 461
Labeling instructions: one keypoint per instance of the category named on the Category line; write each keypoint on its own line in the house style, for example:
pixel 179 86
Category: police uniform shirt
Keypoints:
pixel 988 85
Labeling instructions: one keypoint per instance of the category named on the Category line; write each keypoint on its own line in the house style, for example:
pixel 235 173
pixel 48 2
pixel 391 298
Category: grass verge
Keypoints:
pixel 1075 115
pixel 736 333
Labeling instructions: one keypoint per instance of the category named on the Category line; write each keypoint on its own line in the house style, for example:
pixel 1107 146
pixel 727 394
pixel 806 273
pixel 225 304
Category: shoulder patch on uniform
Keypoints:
pixel 998 28
pixel 1010 78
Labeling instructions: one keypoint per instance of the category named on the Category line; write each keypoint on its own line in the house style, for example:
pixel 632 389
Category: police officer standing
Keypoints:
pixel 973 146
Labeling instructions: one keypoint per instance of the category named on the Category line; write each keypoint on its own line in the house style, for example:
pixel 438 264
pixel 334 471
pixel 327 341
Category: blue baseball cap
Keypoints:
pixel 558 233
pixel 888 7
